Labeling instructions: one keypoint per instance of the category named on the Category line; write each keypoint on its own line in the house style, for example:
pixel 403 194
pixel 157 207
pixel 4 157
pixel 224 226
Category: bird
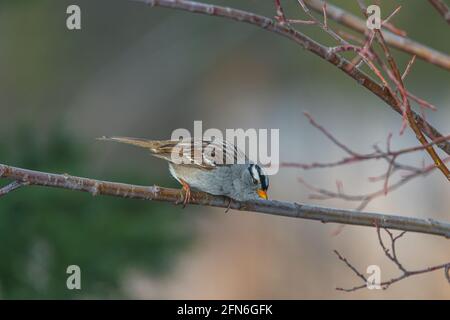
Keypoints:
pixel 222 169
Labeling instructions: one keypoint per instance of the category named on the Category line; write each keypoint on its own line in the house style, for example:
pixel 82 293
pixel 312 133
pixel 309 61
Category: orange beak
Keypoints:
pixel 262 194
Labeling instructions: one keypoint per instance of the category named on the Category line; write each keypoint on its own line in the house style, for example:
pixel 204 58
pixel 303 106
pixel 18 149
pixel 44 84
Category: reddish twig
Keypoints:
pixel 355 156
pixel 388 155
pixel 328 134
pixel 365 199
pixel 305 42
pixel 365 55
pixel 409 118
pixel 399 42
pixel 412 122
pixel 350 37
pixel 378 154
pixel 421 102
pixel 324 24
pixel 280 16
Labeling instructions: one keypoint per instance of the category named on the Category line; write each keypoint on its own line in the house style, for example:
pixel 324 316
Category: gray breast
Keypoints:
pixel 218 181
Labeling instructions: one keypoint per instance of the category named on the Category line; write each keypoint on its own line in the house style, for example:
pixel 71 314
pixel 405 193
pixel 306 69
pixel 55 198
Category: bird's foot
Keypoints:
pixel 186 189
pixel 229 205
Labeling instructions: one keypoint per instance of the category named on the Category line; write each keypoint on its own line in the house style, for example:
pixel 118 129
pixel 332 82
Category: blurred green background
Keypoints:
pixel 44 231
pixel 139 71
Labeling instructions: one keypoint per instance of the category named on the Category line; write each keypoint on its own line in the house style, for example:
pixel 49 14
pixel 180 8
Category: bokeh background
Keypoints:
pixel 139 71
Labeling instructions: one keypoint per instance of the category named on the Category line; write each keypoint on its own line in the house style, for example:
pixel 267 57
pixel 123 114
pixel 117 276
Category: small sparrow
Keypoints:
pixel 234 176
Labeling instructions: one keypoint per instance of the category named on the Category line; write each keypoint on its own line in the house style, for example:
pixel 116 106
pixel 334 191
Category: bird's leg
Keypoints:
pixel 187 192
pixel 229 205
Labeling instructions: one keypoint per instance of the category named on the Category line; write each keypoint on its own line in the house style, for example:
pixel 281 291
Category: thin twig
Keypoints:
pixel 280 16
pixel 411 119
pixel 365 199
pixel 329 135
pixel 408 67
pixel 324 24
pixel 394 74
pixel 388 155
pixel 353 155
pixel 392 256
pixel 442 8
pixel 305 42
pixel 343 259
pixel 402 43
pixel 392 14
pixel 11 187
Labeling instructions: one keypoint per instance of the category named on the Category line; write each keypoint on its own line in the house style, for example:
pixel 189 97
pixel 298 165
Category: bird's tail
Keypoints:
pixel 152 145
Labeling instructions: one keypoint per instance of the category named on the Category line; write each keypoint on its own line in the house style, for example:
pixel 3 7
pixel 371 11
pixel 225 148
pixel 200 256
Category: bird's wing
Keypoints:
pixel 209 154
pixel 206 154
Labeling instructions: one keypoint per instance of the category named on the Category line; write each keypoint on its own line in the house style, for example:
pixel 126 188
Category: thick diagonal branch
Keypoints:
pixel 286 209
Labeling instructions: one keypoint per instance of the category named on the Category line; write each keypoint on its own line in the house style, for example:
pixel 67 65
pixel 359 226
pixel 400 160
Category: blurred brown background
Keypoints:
pixel 139 71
